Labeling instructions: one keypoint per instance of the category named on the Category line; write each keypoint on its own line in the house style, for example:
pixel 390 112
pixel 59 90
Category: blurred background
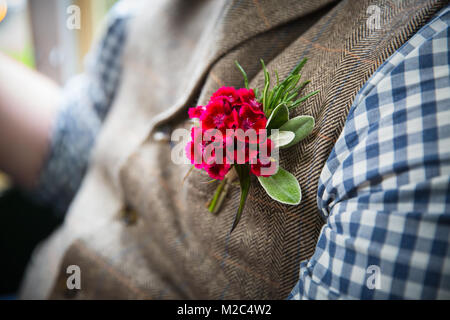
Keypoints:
pixel 35 33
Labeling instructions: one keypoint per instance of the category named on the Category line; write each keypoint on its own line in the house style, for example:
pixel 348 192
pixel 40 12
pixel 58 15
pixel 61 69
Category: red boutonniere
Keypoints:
pixel 240 131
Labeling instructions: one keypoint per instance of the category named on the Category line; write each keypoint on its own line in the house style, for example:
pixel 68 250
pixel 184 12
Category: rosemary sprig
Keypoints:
pixel 284 92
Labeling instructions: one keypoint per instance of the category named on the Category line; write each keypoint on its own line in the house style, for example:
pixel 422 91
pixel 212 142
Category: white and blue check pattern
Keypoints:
pixel 385 188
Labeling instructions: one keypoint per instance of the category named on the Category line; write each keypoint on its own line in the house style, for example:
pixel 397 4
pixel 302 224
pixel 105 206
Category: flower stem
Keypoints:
pixel 214 204
pixel 221 191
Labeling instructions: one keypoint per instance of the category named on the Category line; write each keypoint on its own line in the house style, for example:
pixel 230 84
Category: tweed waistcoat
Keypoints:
pixel 178 53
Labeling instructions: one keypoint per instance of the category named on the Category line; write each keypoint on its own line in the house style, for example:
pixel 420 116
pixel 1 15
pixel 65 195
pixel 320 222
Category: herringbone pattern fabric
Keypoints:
pixel 177 55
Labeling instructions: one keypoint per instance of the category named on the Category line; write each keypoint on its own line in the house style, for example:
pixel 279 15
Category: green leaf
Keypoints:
pixel 293 81
pixel 282 138
pixel 266 87
pixel 279 116
pixel 257 94
pixel 243 172
pixel 303 85
pixel 299 66
pixel 244 74
pixel 309 95
pixel 282 187
pixel 301 126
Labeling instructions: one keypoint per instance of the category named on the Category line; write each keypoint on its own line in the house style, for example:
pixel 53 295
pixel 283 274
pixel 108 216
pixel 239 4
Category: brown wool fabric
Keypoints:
pixel 178 53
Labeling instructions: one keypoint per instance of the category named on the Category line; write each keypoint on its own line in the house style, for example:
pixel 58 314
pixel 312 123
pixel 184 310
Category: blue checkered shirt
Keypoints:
pixel 384 190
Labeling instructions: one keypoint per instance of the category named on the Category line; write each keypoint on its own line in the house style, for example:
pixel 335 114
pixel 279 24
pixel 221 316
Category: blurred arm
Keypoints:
pixel 28 105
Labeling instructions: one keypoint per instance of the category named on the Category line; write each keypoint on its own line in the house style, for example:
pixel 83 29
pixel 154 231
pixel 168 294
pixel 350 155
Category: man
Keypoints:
pixel 373 222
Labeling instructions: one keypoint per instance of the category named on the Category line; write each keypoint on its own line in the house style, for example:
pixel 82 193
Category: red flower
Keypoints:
pixel 247 96
pixel 194 148
pixel 266 169
pixel 217 171
pixel 263 164
pixel 196 112
pixel 249 119
pixel 239 151
pixel 218 116
pixel 214 151
pixel 226 94
pixel 233 109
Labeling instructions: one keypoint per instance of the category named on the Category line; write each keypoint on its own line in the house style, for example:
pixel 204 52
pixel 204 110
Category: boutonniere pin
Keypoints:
pixel 240 131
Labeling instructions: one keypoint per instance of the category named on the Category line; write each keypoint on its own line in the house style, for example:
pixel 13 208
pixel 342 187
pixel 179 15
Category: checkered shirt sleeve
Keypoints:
pixel 385 188
pixel 85 103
